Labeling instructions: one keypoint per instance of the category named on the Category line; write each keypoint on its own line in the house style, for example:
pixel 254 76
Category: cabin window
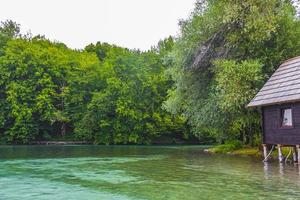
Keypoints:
pixel 286 117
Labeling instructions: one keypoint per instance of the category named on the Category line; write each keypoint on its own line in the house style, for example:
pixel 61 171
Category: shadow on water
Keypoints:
pixel 140 172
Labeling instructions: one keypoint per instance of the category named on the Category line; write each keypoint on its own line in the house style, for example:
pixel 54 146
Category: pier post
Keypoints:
pixel 265 152
pixel 295 155
pixel 280 156
pixel 298 152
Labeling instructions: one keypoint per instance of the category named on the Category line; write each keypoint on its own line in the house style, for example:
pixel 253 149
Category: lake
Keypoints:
pixel 139 172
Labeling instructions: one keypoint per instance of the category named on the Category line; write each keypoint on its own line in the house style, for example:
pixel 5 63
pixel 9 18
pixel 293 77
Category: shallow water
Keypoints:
pixel 139 172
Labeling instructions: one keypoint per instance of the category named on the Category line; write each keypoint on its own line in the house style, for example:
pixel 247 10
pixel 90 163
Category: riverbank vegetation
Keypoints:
pixel 236 147
pixel 193 85
pixel 103 94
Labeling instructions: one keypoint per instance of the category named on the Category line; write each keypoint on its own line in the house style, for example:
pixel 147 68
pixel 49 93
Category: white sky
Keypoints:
pixel 77 23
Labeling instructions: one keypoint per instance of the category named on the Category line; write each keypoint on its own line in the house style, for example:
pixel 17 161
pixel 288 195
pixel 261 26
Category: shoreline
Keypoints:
pixel 60 143
pixel 211 149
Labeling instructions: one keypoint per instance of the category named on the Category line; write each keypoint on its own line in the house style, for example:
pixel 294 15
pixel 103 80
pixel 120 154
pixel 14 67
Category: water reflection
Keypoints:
pixel 283 171
pixel 266 170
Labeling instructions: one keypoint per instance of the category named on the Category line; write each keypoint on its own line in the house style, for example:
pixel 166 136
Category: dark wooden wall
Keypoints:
pixel 273 132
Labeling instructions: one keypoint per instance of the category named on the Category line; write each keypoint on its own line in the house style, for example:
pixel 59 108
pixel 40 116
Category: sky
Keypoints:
pixel 137 24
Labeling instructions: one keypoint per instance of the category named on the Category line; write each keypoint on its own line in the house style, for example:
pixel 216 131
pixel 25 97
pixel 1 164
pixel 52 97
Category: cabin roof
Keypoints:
pixel 282 87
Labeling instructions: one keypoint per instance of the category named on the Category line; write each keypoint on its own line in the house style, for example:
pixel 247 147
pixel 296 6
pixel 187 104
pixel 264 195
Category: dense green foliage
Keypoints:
pixel 103 94
pixel 106 94
pixel 223 55
pixel 128 107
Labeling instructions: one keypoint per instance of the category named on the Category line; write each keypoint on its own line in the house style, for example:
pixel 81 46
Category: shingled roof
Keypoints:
pixel 282 87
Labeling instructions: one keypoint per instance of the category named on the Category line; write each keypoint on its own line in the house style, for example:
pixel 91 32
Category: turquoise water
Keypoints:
pixel 139 172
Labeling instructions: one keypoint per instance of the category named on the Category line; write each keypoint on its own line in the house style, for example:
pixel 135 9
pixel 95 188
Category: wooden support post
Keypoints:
pixel 265 152
pixel 280 156
pixel 295 155
pixel 298 152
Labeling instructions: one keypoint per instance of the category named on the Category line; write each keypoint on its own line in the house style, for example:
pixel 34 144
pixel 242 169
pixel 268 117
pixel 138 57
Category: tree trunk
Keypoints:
pixel 63 129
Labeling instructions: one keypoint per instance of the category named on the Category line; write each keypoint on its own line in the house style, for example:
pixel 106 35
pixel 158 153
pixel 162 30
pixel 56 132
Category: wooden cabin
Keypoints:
pixel 279 100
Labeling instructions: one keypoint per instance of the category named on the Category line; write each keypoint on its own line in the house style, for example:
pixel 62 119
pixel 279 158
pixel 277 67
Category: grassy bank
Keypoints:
pixel 236 148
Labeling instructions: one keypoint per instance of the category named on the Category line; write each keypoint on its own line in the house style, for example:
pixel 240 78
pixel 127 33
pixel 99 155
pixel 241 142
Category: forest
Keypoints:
pixel 192 86
pixel 103 94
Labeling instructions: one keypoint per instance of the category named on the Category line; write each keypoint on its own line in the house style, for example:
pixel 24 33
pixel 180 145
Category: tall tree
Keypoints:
pixel 224 51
